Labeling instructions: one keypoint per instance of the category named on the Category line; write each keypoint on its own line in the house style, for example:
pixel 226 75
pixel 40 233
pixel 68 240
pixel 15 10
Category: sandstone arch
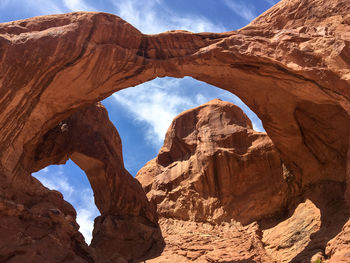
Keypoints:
pixel 127 227
pixel 279 70
pixel 290 65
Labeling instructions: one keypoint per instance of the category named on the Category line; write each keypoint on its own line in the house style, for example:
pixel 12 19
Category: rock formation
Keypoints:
pixel 188 241
pixel 316 229
pixel 37 225
pixel 213 167
pixel 290 65
pixel 127 227
pixel 300 237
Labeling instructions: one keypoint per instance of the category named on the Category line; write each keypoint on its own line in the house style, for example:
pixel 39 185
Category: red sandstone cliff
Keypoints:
pixel 214 167
pixel 290 65
pixel 39 226
pixel 127 227
pixel 224 195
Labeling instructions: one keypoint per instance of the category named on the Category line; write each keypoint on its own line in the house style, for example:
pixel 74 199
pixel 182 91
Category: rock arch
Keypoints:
pixel 290 65
pixel 127 227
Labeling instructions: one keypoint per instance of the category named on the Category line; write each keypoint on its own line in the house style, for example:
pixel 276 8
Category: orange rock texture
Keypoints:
pixel 37 225
pixel 36 220
pixel 188 241
pixel 290 65
pixel 213 167
pixel 92 142
pixel 223 195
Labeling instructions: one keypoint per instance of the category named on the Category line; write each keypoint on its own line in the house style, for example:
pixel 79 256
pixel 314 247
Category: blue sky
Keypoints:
pixel 143 113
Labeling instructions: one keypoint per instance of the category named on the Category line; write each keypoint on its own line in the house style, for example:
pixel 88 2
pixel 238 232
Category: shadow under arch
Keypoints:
pixel 328 197
pixel 315 217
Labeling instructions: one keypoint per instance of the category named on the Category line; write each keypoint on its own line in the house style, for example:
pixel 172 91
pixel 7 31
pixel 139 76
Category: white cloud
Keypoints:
pixel 241 9
pixel 49 7
pixel 86 213
pixel 156 103
pixel 201 99
pixel 153 105
pixel 40 7
pixel 152 17
pixel 45 7
pixel 77 5
pixel 55 180
pixel 82 199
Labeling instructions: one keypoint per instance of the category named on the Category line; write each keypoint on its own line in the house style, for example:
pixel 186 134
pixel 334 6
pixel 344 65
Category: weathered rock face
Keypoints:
pixel 127 227
pixel 290 65
pixel 316 230
pixel 338 248
pixel 214 167
pixel 307 234
pixel 292 234
pixel 293 73
pixel 188 241
pixel 37 225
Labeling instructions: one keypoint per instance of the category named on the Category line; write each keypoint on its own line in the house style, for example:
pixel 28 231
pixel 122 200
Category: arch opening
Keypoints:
pixel 88 138
pixel 165 96
pixel 73 184
pixel 143 114
pixel 81 138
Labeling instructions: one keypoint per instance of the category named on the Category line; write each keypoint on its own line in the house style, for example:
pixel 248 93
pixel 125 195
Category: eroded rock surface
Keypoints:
pixel 224 195
pixel 292 234
pixel 37 225
pixel 188 241
pixel 302 236
pixel 127 227
pixel 290 65
pixel 314 231
pixel 214 167
pixel 293 72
